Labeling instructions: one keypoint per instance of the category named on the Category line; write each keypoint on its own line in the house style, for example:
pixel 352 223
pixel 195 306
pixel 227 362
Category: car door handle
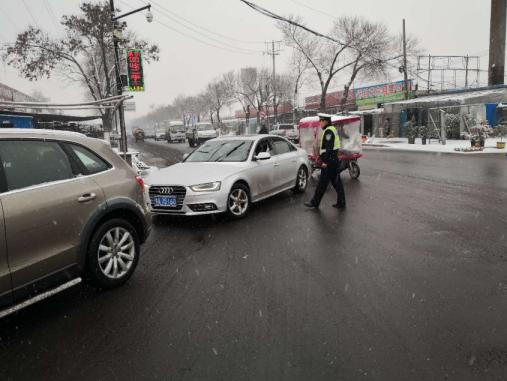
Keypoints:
pixel 87 197
pixel 276 165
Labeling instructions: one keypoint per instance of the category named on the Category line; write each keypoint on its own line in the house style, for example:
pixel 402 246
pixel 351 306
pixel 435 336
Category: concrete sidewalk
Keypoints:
pixel 401 144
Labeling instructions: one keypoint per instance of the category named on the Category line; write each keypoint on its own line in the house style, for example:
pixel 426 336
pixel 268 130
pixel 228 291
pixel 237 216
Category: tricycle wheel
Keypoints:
pixel 354 170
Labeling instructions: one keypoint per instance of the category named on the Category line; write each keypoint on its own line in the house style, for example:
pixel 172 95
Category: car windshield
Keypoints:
pixel 286 127
pixel 205 127
pixel 221 150
pixel 177 129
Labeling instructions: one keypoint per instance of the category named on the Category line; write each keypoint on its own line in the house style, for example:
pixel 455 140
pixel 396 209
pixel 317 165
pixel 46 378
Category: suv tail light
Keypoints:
pixel 140 181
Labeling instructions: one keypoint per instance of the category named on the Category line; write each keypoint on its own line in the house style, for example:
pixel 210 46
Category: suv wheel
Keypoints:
pixel 113 253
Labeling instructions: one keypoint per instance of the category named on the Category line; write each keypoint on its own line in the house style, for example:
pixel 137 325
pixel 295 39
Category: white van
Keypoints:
pixel 176 131
pixel 200 133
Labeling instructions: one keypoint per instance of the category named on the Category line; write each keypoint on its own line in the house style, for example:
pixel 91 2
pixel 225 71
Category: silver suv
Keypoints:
pixel 69 208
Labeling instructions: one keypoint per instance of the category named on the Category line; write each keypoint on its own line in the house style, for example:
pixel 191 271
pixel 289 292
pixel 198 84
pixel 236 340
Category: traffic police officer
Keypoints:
pixel 329 146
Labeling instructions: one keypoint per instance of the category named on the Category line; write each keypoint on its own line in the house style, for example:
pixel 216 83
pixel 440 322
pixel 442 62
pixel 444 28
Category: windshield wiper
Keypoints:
pixel 228 153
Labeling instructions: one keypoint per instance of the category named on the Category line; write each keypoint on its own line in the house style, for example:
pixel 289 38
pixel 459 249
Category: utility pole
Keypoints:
pixel 496 68
pixel 274 53
pixel 405 69
pixel 119 86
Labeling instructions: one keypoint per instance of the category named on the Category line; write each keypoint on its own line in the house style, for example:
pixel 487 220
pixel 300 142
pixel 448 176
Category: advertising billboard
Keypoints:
pixel 135 70
pixel 382 93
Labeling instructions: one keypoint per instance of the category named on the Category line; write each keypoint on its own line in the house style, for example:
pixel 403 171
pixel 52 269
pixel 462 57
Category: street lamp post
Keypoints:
pixel 119 85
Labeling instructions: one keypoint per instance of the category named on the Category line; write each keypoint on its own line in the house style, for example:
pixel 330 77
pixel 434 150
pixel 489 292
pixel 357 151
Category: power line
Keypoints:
pixel 14 25
pixel 207 30
pixel 175 19
pixel 199 40
pixel 275 16
pixel 215 44
pixel 29 12
pixel 51 13
pixel 272 15
pixel 313 9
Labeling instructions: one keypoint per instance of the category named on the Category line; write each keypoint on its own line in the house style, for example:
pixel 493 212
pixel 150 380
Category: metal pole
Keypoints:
pixel 497 42
pixel 466 72
pixel 119 86
pixel 443 128
pixel 405 72
pixel 429 73
pixel 275 107
pixel 132 12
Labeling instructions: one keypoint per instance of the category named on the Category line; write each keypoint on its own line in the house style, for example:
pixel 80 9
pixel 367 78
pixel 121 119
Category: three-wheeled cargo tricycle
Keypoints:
pixel 348 127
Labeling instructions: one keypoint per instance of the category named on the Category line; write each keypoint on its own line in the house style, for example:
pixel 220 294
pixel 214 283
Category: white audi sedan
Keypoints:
pixel 228 174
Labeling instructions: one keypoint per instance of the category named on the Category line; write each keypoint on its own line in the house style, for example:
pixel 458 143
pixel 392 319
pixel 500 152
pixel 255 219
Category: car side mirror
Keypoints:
pixel 263 156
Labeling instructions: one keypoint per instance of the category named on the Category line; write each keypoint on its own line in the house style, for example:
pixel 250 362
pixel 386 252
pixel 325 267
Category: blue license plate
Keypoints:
pixel 165 201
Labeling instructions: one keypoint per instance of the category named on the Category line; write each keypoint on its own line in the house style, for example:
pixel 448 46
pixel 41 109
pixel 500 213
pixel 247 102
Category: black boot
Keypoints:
pixel 310 204
pixel 340 205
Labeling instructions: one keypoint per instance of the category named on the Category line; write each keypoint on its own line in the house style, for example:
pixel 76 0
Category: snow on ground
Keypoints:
pixel 401 144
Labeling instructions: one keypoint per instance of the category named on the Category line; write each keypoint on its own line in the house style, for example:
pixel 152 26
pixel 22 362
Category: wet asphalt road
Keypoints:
pixel 409 283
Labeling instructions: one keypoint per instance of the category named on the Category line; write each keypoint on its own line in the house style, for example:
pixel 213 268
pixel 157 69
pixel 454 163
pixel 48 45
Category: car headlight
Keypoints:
pixel 207 187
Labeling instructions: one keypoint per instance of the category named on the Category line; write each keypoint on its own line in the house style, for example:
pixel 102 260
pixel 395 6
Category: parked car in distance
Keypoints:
pixel 227 174
pixel 70 208
pixel 160 134
pixel 288 131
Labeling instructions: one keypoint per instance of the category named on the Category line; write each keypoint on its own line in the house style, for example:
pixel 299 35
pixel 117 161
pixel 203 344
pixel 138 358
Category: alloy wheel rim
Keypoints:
pixel 238 202
pixel 116 253
pixel 302 179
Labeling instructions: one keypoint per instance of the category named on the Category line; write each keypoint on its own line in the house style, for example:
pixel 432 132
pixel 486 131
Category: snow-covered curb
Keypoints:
pixel 401 144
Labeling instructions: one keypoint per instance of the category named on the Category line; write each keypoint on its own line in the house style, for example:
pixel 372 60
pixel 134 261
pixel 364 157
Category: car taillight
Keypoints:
pixel 140 181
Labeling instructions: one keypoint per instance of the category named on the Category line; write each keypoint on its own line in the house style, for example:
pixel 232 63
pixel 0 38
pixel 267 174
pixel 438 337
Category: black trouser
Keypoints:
pixel 331 174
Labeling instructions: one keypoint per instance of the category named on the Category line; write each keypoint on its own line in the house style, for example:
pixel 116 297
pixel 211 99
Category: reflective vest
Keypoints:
pixel 337 143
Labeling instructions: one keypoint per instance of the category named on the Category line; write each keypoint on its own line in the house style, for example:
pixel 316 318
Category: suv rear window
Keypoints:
pixel 90 161
pixel 31 162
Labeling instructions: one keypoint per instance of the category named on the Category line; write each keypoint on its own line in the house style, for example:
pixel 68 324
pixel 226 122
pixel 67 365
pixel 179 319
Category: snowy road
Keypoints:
pixel 409 283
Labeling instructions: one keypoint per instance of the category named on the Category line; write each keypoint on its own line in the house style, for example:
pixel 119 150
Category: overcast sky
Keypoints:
pixel 221 35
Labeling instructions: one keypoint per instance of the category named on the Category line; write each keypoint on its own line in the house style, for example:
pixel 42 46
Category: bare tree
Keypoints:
pixel 183 108
pixel 299 66
pixel 326 58
pixel 219 94
pixel 284 93
pixel 84 56
pixel 370 49
pixel 241 85
pixel 260 85
pixel 38 96
pixel 360 47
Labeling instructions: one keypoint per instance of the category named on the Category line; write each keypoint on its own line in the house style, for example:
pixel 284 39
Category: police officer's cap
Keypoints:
pixel 325 117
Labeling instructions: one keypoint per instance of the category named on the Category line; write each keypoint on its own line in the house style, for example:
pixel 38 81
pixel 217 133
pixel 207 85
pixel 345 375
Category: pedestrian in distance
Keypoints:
pixel 329 147
pixel 263 130
pixel 387 127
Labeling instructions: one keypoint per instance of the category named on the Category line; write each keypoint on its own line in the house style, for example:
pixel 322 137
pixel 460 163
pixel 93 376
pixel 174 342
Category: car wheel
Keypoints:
pixel 354 170
pixel 113 254
pixel 301 180
pixel 238 201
